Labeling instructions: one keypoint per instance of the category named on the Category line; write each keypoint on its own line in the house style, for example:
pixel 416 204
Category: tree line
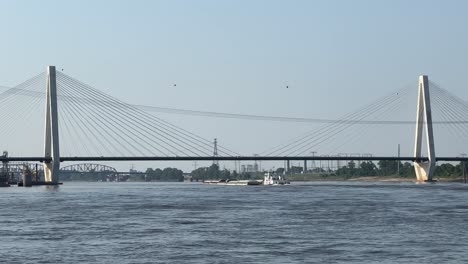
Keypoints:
pixel 167 174
pixel 213 172
pixel 395 168
pixel 351 169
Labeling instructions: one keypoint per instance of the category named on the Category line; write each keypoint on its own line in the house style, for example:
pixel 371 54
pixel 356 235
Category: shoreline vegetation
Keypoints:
pixel 382 171
pixel 390 178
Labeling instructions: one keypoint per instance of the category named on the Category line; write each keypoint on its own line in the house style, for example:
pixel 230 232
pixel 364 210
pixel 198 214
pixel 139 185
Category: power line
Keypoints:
pixel 214 114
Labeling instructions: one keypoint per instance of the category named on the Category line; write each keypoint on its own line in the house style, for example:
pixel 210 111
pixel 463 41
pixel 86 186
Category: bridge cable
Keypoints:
pixel 362 131
pixel 346 120
pixel 157 120
pixel 100 128
pixel 133 116
pixel 11 97
pixel 115 121
pixel 452 106
pixel 441 104
pixel 329 136
pixel 129 117
pixel 70 111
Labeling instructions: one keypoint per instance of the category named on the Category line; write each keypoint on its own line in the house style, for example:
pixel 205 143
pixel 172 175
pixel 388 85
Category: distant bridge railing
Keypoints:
pixel 233 158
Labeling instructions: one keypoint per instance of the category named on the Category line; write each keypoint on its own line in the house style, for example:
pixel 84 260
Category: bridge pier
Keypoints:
pixel 424 170
pixel 51 134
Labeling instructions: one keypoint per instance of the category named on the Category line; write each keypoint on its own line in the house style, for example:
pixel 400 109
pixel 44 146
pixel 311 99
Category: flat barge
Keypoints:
pixel 235 182
pixel 41 183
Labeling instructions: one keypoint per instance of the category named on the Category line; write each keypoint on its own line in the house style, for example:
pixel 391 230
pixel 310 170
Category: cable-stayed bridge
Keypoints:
pixel 94 126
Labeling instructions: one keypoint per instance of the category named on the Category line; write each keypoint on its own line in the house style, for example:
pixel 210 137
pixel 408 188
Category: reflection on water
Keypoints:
pixel 52 188
pixel 195 223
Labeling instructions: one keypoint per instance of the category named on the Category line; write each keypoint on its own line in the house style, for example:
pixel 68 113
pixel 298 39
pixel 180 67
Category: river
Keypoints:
pixel 329 222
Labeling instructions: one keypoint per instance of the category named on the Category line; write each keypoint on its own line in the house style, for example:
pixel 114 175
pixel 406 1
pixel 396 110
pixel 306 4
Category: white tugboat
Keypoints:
pixel 272 179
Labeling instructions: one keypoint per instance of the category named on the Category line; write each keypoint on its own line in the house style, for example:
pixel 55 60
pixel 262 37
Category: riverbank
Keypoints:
pixel 369 179
pixel 400 179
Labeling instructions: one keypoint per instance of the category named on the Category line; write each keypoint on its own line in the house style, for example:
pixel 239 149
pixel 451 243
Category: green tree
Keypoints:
pixel 224 174
pixel 388 167
pixel 157 174
pixel 280 171
pixel 172 174
pixel 296 169
pixel 447 170
pixel 213 172
pixel 407 170
pixel 367 168
pixel 199 174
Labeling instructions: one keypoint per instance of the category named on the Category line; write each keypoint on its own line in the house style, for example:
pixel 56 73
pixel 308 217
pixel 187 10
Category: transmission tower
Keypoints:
pixel 215 152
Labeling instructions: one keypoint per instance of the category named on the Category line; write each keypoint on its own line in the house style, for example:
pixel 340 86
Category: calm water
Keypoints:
pixel 195 223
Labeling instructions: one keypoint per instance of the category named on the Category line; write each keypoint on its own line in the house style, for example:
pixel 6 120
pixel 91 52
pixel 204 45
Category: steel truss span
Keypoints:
pixel 88 167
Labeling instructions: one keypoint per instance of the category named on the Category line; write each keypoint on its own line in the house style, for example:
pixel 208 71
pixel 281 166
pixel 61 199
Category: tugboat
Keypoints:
pixel 272 179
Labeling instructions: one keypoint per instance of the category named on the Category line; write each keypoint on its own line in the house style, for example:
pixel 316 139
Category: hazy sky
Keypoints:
pixel 238 56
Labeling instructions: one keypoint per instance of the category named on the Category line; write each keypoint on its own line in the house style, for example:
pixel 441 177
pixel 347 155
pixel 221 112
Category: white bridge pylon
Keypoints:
pixel 424 170
pixel 51 132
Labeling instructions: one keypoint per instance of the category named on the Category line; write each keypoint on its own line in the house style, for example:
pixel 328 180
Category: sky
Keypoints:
pixel 238 56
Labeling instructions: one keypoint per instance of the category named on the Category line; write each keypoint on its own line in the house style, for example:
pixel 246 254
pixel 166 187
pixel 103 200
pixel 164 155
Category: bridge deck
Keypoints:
pixel 233 158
